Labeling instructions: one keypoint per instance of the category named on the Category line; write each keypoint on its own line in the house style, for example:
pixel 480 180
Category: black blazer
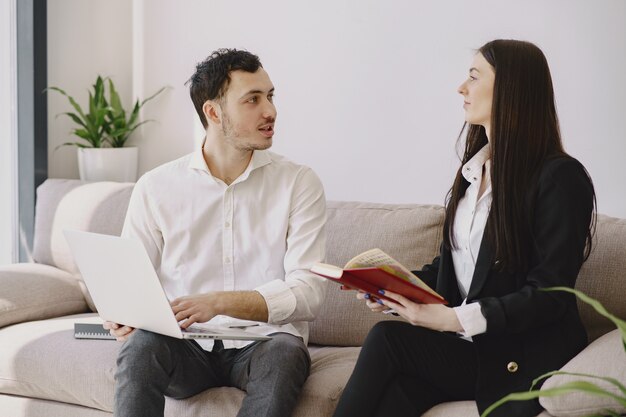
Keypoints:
pixel 529 332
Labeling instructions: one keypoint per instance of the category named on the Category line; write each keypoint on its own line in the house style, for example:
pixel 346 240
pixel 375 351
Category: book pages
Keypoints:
pixel 379 259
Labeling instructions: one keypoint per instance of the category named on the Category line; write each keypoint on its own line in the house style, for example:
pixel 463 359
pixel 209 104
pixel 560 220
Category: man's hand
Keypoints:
pixel 198 308
pixel 121 332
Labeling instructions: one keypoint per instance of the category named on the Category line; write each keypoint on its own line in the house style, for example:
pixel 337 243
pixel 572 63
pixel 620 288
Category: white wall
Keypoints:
pixel 85 39
pixel 366 90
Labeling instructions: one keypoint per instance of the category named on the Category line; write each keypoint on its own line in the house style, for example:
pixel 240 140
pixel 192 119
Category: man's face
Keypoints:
pixel 248 112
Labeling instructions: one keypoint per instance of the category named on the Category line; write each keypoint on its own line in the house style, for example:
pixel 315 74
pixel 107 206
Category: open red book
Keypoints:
pixel 375 270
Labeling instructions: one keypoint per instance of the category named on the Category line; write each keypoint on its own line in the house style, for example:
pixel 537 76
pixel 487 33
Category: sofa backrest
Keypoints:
pixel 72 204
pixel 410 233
pixel 603 276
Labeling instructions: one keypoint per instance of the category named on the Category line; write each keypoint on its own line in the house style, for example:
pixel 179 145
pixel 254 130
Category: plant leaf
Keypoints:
pixel 134 114
pixel 57 89
pixel 115 101
pixel 132 129
pixel 82 133
pixel 98 89
pixel 92 104
pixel 80 145
pixel 75 118
pixel 575 386
pixel 70 99
pixel 612 381
pixel 153 96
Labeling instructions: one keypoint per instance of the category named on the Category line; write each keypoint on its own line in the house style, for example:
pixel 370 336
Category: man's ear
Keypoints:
pixel 212 111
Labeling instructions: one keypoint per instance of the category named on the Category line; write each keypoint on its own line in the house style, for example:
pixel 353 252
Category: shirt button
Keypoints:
pixel 227 225
pixel 227 260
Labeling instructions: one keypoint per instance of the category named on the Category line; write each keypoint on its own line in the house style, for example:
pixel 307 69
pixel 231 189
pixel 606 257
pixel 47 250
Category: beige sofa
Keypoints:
pixel 44 371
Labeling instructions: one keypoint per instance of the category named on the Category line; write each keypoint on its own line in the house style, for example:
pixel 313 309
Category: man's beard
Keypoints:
pixel 234 138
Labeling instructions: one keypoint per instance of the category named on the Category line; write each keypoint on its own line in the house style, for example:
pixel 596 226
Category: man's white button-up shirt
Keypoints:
pixel 262 232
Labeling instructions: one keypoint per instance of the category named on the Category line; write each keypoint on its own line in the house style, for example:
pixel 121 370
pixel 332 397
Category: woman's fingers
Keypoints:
pixel 400 299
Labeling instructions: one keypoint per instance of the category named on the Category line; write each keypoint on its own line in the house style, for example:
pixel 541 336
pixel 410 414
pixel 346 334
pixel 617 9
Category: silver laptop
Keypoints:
pixel 126 289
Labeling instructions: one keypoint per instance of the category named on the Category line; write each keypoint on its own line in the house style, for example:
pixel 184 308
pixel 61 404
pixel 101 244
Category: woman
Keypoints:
pixel 519 218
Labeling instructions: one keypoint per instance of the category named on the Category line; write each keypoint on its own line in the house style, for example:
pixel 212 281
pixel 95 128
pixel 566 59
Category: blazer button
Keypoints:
pixel 512 367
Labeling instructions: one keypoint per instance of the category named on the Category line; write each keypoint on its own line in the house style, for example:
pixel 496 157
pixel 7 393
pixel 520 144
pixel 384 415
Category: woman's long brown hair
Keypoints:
pixel 524 134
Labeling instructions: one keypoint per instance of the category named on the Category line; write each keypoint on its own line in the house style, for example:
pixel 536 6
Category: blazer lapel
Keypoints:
pixel 483 266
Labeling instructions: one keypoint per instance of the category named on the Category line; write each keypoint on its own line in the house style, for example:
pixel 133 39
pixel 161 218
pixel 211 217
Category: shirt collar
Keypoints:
pixel 473 169
pixel 197 160
pixel 259 159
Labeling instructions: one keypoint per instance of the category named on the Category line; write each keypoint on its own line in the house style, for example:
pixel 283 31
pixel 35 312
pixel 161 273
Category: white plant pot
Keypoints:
pixel 108 164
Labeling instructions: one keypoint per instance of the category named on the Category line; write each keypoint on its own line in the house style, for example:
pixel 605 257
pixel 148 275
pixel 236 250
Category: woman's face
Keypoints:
pixel 477 92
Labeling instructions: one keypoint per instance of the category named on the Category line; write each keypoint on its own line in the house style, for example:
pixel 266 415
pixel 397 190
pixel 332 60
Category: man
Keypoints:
pixel 232 230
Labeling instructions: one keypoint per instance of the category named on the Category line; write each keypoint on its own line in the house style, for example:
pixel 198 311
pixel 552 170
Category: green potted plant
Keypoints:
pixel 103 130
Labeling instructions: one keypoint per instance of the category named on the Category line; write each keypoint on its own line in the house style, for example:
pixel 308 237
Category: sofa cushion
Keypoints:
pixel 31 291
pixel 604 357
pixel 16 406
pixel 460 409
pixel 410 233
pixel 98 207
pixel 603 276
pixel 42 360
pixel 453 409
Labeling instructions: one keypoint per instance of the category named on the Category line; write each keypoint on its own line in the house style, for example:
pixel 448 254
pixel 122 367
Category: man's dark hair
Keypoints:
pixel 212 76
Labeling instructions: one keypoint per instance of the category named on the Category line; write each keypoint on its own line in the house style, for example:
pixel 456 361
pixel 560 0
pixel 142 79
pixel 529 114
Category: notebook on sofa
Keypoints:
pixel 126 289
pixel 91 331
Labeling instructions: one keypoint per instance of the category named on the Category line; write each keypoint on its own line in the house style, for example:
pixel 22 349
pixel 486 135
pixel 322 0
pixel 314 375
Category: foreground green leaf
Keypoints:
pixel 575 386
pixel 611 381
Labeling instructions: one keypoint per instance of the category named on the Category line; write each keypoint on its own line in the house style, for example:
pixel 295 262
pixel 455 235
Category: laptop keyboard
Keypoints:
pixel 195 329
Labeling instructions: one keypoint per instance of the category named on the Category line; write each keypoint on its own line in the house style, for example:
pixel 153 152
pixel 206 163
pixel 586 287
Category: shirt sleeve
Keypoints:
pixel 141 222
pixel 471 318
pixel 299 297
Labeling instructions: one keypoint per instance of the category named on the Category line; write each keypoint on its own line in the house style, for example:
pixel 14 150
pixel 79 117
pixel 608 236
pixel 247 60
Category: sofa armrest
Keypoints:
pixel 30 291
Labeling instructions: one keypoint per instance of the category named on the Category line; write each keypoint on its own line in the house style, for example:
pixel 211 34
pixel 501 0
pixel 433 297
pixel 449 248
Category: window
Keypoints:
pixel 23 122
pixel 8 133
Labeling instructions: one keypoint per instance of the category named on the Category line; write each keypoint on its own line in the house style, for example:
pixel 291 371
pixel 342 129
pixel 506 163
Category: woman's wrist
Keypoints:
pixel 452 323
